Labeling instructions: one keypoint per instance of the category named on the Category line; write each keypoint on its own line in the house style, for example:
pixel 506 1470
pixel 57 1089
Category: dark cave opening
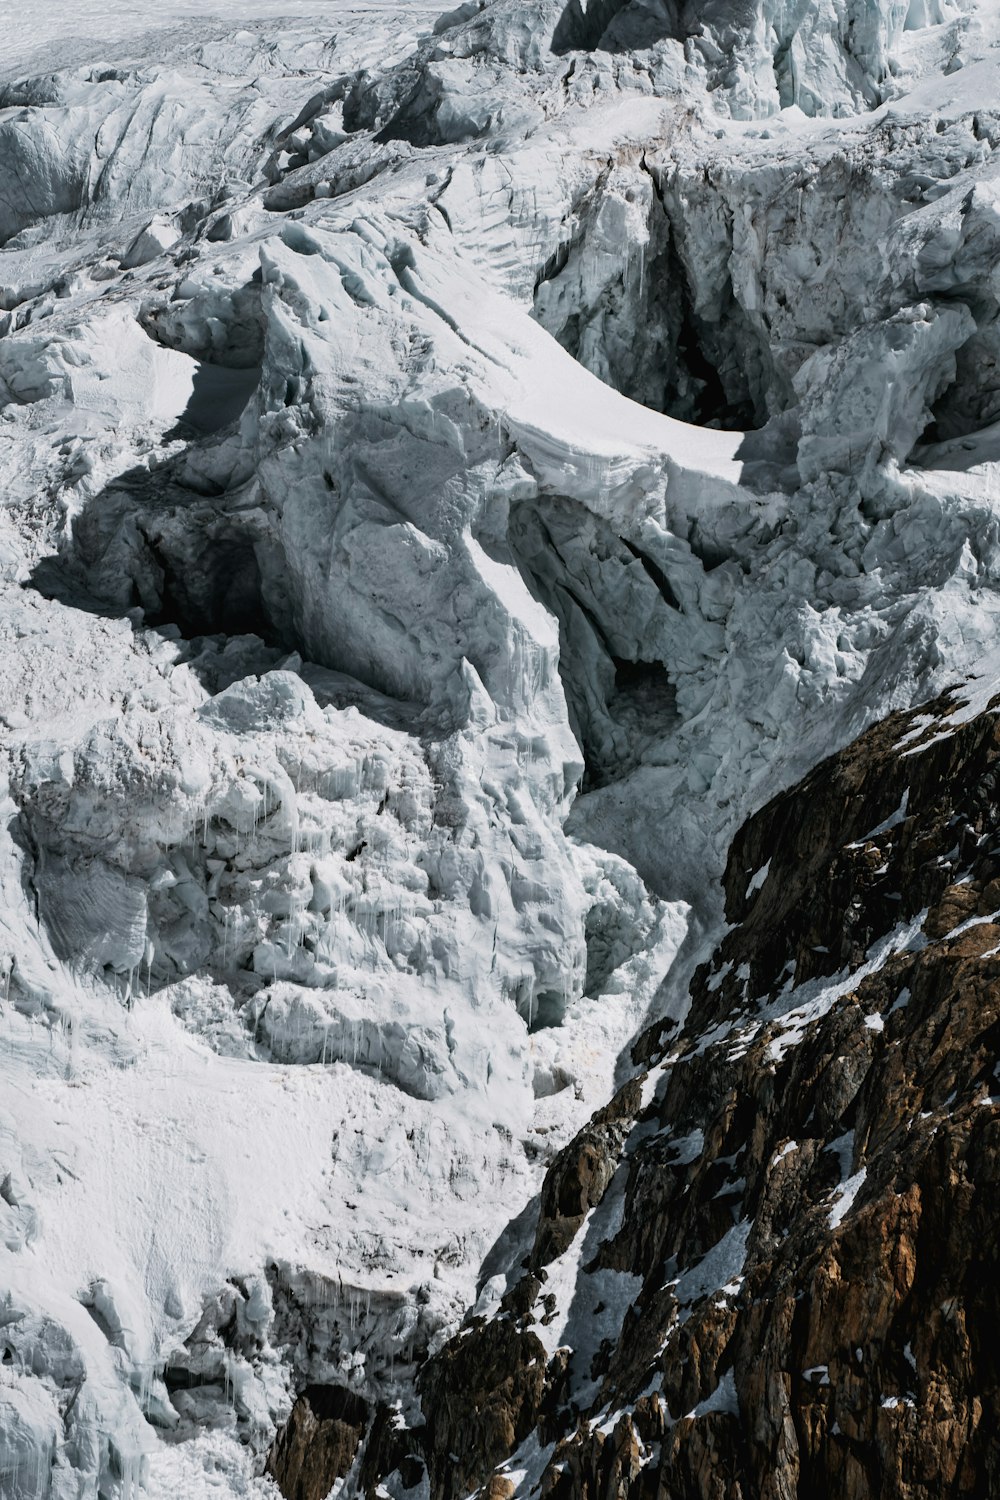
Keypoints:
pixel 544 1010
pixel 219 594
pixel 642 332
pixel 202 582
pixel 645 682
pixel 696 392
pixel 620 697
pixel 335 1403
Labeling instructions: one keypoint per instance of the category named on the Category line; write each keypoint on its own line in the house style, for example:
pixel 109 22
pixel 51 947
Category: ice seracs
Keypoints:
pixel 450 479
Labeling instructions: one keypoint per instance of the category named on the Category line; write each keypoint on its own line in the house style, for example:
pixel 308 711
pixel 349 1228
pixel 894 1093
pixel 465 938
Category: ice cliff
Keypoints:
pixel 455 469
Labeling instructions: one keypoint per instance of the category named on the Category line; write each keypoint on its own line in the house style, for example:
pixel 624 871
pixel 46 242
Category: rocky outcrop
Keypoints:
pixel 483 1396
pixel 318 1443
pixel 580 1175
pixel 807 1200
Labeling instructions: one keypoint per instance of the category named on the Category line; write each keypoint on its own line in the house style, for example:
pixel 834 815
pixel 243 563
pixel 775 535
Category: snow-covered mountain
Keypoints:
pixel 456 471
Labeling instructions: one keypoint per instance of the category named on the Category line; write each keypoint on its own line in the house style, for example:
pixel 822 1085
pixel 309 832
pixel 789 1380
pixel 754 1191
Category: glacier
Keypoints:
pixel 455 468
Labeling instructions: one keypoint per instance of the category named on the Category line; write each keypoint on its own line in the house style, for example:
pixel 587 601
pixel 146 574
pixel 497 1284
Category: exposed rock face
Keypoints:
pixel 318 1443
pixel 580 1175
pixel 483 1395
pixel 808 1198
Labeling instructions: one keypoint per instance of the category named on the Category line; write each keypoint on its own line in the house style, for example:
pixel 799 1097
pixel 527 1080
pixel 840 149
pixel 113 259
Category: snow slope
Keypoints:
pixel 453 469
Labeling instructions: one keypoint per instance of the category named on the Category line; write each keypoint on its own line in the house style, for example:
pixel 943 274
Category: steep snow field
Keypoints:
pixel 453 470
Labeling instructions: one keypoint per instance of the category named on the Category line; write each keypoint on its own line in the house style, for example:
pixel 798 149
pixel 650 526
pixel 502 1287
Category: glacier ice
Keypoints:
pixel 454 467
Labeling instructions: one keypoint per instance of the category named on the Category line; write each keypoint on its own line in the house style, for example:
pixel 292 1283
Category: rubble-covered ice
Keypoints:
pixel 453 468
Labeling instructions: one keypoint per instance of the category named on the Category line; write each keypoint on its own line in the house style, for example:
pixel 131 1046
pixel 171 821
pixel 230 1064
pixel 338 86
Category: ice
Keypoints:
pixel 445 493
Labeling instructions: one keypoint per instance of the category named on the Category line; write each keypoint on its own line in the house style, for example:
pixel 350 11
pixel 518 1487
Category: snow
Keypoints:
pixel 850 1184
pixel 892 821
pixel 342 538
pixel 757 879
pixel 846 1194
pixel 590 1305
pixel 795 1011
pixel 720 1268
pixel 722 1399
pixel 687 1149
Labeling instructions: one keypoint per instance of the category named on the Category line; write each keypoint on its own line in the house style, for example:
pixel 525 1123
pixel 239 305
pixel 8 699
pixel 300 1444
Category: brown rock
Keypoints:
pixel 498 1487
pixel 482 1394
pixel 580 1173
pixel 811 1202
pixel 957 904
pixel 318 1443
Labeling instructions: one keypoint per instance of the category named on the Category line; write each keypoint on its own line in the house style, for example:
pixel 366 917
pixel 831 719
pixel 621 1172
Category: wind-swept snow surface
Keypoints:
pixel 453 468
